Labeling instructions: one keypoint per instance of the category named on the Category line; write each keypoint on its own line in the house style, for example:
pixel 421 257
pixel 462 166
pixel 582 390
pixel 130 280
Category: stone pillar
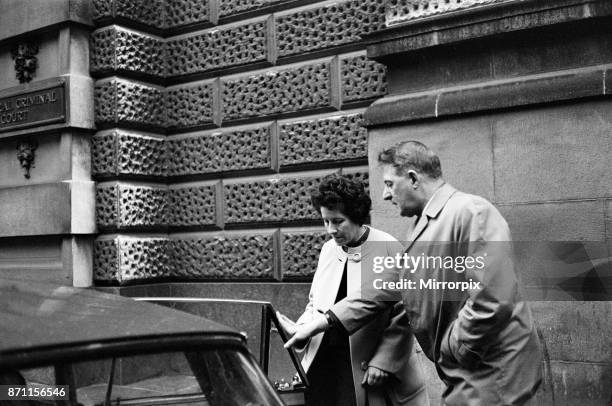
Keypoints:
pixel 514 96
pixel 47 214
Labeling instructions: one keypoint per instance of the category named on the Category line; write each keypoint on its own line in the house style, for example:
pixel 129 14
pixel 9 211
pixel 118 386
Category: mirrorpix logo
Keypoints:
pixel 427 263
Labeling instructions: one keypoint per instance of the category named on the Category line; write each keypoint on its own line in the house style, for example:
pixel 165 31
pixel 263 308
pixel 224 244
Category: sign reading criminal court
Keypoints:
pixel 34 108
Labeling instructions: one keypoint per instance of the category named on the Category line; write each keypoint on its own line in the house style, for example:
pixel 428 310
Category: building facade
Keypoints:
pixel 167 147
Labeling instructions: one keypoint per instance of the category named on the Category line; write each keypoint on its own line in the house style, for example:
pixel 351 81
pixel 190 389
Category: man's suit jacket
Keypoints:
pixel 386 342
pixel 482 340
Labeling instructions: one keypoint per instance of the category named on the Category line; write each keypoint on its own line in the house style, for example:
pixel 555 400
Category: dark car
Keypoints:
pixel 69 346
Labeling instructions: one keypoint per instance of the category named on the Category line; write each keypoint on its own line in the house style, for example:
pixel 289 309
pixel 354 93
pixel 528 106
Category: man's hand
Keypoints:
pixel 374 377
pixel 304 331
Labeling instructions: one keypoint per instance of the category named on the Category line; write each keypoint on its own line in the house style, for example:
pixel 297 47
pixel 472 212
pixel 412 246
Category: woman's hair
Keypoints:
pixel 340 193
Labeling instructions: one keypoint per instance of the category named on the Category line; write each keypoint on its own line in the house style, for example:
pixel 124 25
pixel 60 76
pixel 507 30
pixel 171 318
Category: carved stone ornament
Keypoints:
pixel 25 60
pixel 25 155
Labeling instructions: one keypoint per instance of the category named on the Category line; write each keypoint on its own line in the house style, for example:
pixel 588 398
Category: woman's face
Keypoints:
pixel 340 227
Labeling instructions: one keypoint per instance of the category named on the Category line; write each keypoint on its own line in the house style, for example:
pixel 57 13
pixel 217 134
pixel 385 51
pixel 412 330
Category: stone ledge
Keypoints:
pixel 47 209
pixel 535 89
pixel 480 22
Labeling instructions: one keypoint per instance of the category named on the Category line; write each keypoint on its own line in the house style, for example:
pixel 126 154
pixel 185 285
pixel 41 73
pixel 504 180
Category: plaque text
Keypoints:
pixel 30 109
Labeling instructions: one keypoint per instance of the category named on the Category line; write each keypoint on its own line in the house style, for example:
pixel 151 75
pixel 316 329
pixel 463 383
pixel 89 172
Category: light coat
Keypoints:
pixel 386 342
pixel 483 341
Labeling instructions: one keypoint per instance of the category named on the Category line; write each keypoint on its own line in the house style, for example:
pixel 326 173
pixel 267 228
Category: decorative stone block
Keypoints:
pixel 139 104
pixel 121 153
pixel 124 259
pixel 189 106
pixel 102 8
pixel 217 48
pixel 229 7
pixel 184 12
pixel 104 154
pixel 358 174
pixel 116 48
pixel 328 25
pixel 326 139
pixel 106 260
pixel 362 78
pixel 192 206
pixel 239 150
pixel 273 92
pixel 147 12
pixel 122 206
pixel 105 102
pixel 140 155
pixel 121 101
pixel 158 14
pixel 300 253
pixel 142 206
pixel 107 212
pixel 193 155
pixel 274 200
pixel 403 10
pixel 103 47
pixel 229 257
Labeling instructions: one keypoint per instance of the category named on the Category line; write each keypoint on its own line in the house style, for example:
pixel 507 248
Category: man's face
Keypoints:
pixel 402 192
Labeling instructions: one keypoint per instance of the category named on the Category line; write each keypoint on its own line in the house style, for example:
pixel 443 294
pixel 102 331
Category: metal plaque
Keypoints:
pixel 40 107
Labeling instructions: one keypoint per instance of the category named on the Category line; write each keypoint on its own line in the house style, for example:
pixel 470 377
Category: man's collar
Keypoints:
pixel 438 200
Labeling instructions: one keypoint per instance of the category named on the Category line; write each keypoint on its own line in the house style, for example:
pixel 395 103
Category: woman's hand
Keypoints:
pixel 302 332
pixel 286 323
pixel 374 377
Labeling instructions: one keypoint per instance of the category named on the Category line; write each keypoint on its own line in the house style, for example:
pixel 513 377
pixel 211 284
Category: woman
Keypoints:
pixel 376 366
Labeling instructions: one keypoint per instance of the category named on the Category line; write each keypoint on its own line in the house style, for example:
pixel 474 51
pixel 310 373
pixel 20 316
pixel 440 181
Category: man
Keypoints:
pixel 463 304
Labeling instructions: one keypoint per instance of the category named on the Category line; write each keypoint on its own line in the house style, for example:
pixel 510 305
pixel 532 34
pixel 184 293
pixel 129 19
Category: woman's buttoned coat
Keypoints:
pixel 385 343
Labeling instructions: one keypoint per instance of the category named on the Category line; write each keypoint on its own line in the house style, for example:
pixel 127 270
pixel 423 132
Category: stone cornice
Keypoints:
pixel 24 17
pixel 479 22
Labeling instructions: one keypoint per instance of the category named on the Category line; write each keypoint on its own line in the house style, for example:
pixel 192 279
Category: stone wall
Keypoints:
pixel 47 196
pixel 515 98
pixel 214 119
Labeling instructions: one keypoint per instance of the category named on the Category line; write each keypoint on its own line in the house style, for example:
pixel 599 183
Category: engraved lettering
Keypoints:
pixel 6 105
pixel 31 108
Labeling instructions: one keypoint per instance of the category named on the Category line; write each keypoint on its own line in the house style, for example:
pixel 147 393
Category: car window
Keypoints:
pixel 194 378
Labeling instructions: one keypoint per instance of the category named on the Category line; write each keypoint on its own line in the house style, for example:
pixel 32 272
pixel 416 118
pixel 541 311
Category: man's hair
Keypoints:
pixel 413 155
pixel 340 193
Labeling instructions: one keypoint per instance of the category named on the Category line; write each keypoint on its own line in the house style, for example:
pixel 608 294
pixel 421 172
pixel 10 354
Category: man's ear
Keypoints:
pixel 414 178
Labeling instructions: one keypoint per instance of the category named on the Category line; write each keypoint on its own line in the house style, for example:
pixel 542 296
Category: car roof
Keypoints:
pixel 35 315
